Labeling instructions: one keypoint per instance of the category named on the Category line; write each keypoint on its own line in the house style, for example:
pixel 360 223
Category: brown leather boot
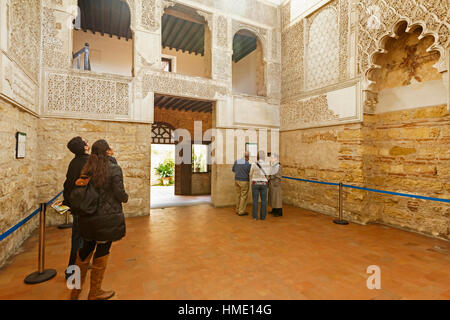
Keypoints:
pixel 83 265
pixel 97 273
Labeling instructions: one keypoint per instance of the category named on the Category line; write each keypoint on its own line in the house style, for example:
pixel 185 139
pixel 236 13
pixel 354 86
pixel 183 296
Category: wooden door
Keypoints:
pixel 183 172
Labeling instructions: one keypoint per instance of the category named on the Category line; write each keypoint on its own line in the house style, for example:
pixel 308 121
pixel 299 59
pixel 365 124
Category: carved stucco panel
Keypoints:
pixel 81 94
pixel 178 85
pixel 24 18
pixel 378 18
pixel 322 51
pixel 309 112
pixel 222 32
pixel 292 61
pixel 54 51
pixel 20 87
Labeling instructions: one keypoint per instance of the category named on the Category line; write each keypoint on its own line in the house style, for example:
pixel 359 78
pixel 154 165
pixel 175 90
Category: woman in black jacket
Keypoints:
pixel 107 224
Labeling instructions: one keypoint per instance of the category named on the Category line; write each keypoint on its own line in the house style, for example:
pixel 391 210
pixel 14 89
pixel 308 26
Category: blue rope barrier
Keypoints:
pixel 21 223
pixel 373 190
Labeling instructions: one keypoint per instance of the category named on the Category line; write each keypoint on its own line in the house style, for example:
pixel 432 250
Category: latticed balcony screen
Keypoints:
pixel 162 133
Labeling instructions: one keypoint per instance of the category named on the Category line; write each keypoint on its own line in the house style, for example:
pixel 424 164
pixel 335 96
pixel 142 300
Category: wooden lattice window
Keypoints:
pixel 162 133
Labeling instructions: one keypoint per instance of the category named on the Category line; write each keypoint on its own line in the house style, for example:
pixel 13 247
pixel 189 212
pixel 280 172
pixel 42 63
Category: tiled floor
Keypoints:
pixel 163 197
pixel 200 252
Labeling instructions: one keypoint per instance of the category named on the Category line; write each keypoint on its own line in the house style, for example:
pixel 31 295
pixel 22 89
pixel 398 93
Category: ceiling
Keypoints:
pixel 182 104
pixel 111 17
pixel 182 34
pixel 243 45
pixel 184 29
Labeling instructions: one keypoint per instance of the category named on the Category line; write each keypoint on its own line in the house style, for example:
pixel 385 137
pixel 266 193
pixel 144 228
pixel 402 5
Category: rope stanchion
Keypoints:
pixel 42 274
pixel 66 225
pixel 340 221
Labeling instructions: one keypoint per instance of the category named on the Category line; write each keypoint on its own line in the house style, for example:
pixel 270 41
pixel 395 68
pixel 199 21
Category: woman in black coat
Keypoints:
pixel 107 224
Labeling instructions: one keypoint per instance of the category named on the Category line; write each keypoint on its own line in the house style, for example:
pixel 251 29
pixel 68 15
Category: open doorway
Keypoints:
pixel 181 170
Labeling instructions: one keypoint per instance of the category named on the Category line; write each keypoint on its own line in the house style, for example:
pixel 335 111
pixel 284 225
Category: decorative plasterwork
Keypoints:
pixel 322 51
pixel 24 33
pixel 304 113
pixel 19 87
pixel 331 52
pixel 222 32
pixel 208 18
pixel 151 13
pixel 335 105
pixel 378 20
pixel 74 94
pixel 292 61
pixel 183 86
pixel 54 52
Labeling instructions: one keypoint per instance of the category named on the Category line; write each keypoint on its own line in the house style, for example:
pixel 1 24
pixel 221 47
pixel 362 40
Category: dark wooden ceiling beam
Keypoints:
pixel 177 28
pixel 189 105
pixel 92 7
pixel 181 35
pixel 184 104
pixel 206 108
pixel 184 16
pixel 247 46
pixel 194 105
pixel 84 22
pixel 119 17
pixel 102 8
pixel 197 46
pixel 190 38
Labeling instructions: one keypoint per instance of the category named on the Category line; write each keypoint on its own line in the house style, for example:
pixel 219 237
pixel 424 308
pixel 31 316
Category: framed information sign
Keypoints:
pixel 21 139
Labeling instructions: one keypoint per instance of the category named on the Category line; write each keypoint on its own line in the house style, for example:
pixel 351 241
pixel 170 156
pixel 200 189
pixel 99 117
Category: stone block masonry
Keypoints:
pixel 18 193
pixel 130 141
pixel 40 176
pixel 403 151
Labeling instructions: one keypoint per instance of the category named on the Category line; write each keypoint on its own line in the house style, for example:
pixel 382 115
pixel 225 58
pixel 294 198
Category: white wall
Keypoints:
pixel 415 95
pixel 108 55
pixel 244 75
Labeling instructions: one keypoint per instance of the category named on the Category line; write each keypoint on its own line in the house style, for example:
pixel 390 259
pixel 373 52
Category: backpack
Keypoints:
pixel 84 197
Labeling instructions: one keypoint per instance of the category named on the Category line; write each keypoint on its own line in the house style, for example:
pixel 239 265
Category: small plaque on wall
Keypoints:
pixel 21 139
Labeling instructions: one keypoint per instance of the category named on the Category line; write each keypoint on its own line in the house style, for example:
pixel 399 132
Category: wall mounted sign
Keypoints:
pixel 21 139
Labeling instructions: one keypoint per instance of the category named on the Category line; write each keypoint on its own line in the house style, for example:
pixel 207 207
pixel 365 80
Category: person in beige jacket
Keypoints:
pixel 275 198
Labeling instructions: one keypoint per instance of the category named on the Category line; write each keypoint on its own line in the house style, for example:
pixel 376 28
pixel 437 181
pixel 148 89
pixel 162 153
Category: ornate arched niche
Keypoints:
pixel 380 20
pixel 405 70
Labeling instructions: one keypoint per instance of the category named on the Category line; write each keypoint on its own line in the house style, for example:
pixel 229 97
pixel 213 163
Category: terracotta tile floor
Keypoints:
pixel 204 253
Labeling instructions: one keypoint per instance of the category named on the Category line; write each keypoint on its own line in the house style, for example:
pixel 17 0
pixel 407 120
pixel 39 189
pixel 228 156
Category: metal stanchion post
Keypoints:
pixel 41 275
pixel 340 221
pixel 67 225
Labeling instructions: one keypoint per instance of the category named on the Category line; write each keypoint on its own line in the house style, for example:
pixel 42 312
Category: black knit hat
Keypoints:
pixel 76 146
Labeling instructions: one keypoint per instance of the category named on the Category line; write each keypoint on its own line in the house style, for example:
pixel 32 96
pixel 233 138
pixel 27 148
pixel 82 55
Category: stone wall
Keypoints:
pixel 402 151
pixel 409 151
pixel 18 190
pixel 131 143
pixel 332 154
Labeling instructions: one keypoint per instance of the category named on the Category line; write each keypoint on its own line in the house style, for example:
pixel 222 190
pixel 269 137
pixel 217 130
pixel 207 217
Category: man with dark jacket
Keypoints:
pixel 80 148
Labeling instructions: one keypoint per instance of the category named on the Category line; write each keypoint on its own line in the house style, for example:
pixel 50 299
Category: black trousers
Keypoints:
pixel 77 240
pixel 101 249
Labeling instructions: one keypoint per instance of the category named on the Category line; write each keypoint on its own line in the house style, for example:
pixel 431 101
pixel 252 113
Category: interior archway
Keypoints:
pixel 248 64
